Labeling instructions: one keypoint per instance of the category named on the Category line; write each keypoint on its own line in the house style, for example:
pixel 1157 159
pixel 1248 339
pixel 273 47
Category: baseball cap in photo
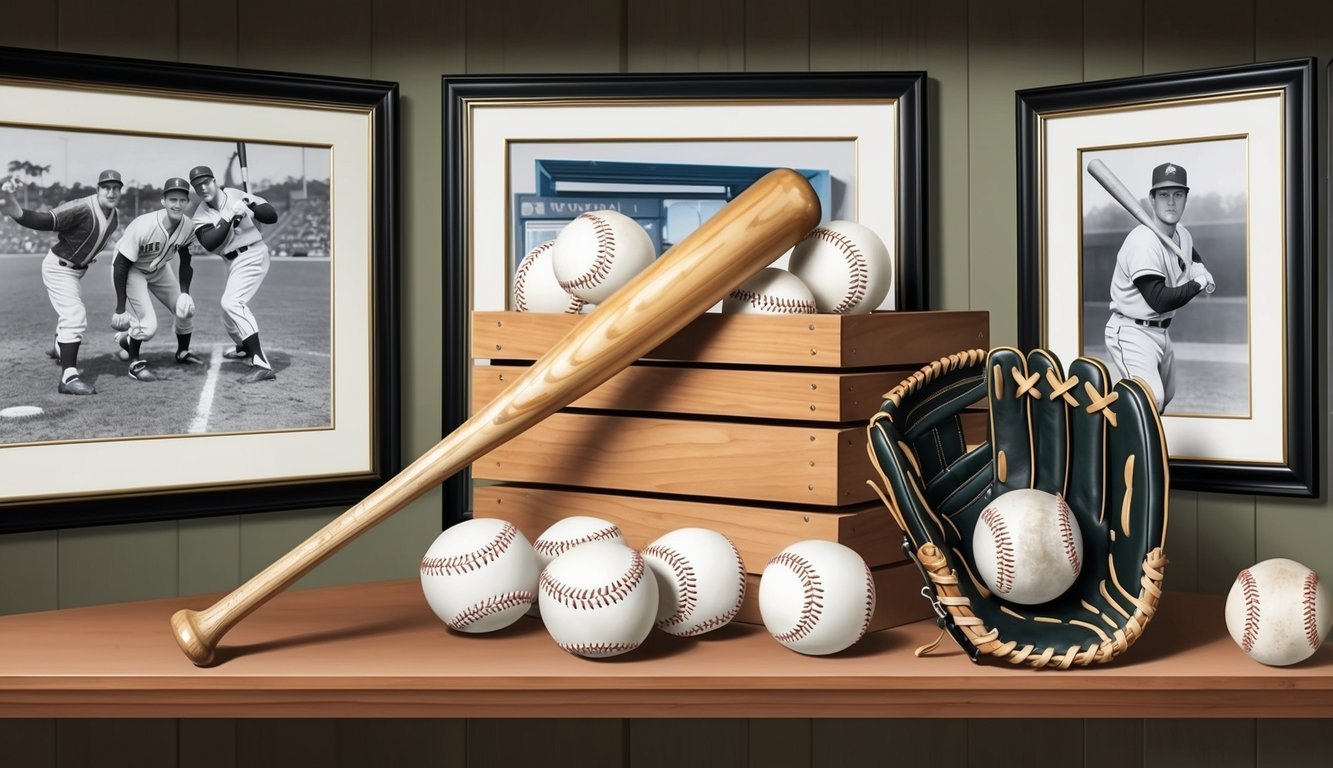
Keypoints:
pixel 176 182
pixel 1168 175
pixel 109 177
pixel 199 171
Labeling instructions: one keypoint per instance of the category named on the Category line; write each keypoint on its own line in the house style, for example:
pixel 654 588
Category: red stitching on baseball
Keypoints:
pixel 606 254
pixel 686 584
pixel 1250 588
pixel 1004 549
pixel 583 649
pixel 767 303
pixel 470 561
pixel 859 270
pixel 588 598
pixel 1067 534
pixel 1311 609
pixel 870 605
pixel 491 606
pixel 813 606
pixel 521 276
pixel 557 547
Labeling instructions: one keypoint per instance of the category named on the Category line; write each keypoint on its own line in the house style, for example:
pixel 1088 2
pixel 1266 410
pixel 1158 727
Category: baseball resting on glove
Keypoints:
pixel 1100 446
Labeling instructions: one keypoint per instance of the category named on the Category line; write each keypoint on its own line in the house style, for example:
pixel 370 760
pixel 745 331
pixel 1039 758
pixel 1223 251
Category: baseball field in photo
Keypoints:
pixel 294 305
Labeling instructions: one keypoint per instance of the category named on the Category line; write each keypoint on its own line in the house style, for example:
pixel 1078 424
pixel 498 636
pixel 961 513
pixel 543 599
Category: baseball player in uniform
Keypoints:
pixel 225 224
pixel 1150 284
pixel 82 228
pixel 144 270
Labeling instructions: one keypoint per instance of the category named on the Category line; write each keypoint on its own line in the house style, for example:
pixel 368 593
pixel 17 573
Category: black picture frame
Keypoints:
pixel 1287 87
pixel 376 445
pixel 906 90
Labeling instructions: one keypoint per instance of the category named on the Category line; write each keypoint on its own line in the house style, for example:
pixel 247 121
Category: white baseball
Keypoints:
pixel 598 252
pixel 700 580
pixel 1278 612
pixel 535 286
pixel 846 266
pixel 480 575
pixel 564 535
pixel 1027 546
pixel 598 599
pixel 817 597
pixel 773 291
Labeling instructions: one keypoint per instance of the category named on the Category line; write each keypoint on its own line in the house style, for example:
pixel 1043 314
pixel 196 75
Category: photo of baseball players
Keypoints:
pixel 107 239
pixel 1166 301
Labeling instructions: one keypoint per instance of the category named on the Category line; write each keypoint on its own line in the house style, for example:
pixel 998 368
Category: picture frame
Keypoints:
pixel 525 154
pixel 1234 146
pixel 320 284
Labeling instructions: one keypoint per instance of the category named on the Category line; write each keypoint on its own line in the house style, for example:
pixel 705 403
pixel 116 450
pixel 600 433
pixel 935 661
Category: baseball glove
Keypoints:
pixel 1100 446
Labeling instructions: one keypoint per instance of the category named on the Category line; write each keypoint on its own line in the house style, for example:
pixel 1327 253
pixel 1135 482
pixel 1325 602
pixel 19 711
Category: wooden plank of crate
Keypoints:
pixel 759 532
pixel 879 339
pixel 728 392
pixel 898 598
pixel 694 457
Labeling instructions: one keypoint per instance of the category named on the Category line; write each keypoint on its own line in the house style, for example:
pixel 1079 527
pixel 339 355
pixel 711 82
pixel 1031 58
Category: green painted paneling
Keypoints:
pixel 117 563
pixel 685 36
pixel 777 35
pixel 918 743
pixel 207 743
pixel 549 743
pixel 28 573
pixel 1025 743
pixel 886 36
pixel 91 26
pixel 1293 744
pixel 286 743
pixel 1047 37
pixel 210 555
pixel 1112 40
pixel 417 743
pixel 1191 34
pixel 675 743
pixel 1182 542
pixel 1112 744
pixel 29 743
pixel 1211 743
pixel 779 743
pixel 287 37
pixel 39 28
pixel 208 32
pixel 540 38
pixel 1226 540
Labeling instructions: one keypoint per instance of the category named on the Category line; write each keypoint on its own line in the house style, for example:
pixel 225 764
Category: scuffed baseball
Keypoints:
pixel 1027 546
pixel 817 597
pixel 480 575
pixel 598 252
pixel 535 286
pixel 773 291
pixel 564 535
pixel 700 580
pixel 598 600
pixel 1278 612
pixel 846 266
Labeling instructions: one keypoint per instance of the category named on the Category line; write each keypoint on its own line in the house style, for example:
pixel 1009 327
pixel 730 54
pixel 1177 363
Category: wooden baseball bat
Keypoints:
pixel 739 240
pixel 245 166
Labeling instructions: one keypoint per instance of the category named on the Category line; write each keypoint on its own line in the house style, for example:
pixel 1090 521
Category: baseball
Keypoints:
pixel 816 597
pixel 1027 546
pixel 771 292
pixel 598 252
pixel 598 600
pixel 480 575
pixel 846 266
pixel 564 535
pixel 535 286
pixel 700 580
pixel 1278 612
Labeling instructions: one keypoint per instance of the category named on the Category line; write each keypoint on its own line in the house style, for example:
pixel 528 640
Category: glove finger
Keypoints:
pixel 1010 427
pixel 1137 484
pixel 1087 434
pixel 1050 427
pixel 891 456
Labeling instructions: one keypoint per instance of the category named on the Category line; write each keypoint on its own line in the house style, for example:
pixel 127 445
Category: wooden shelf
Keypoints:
pixel 376 650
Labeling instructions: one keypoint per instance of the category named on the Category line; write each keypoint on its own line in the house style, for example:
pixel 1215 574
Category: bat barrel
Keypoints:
pixel 747 235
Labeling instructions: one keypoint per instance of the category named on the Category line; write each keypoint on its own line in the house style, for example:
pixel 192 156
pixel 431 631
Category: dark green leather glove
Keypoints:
pixel 1101 447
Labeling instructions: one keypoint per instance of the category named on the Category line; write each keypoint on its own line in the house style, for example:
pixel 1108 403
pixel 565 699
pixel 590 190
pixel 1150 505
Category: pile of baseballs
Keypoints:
pixel 840 268
pixel 598 597
pixel 590 259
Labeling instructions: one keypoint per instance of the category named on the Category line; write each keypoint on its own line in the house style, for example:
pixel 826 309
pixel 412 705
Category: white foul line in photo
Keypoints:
pixel 205 407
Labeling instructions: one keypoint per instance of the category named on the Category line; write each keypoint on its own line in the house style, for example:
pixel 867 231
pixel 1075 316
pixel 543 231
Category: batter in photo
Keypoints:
pixel 1150 284
pixel 225 224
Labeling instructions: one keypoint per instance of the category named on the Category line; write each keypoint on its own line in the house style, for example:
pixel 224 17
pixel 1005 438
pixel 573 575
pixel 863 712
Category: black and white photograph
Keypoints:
pixel 111 230
pixel 1166 228
pixel 1177 322
pixel 198 290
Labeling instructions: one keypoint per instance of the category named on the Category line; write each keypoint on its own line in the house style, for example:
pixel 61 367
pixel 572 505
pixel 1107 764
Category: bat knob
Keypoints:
pixel 190 638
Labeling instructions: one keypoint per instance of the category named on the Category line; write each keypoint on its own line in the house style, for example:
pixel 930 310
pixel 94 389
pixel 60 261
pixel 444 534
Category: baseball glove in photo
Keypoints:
pixel 1100 446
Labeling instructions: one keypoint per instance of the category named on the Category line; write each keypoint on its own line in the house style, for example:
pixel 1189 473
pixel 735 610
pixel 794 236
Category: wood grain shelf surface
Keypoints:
pixel 376 650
